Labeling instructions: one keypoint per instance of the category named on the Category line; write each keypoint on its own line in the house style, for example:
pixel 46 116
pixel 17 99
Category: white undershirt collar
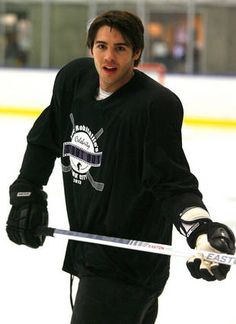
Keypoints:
pixel 102 94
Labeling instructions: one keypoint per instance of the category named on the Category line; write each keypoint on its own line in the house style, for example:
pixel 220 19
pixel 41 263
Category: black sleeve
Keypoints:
pixel 167 172
pixel 43 140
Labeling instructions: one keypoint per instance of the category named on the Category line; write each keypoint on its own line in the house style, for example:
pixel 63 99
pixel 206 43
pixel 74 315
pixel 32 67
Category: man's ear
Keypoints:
pixel 137 54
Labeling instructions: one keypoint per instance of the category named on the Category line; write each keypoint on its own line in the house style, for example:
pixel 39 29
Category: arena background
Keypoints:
pixel 195 43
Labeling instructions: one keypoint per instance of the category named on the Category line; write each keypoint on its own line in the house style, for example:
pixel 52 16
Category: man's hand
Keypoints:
pixel 220 239
pixel 29 210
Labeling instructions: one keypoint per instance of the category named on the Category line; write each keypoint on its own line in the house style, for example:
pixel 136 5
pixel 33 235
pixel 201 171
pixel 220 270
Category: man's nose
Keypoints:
pixel 110 54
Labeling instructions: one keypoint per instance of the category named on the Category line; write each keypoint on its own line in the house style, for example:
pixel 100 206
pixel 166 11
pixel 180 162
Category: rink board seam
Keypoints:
pixel 212 122
pixel 190 121
pixel 21 111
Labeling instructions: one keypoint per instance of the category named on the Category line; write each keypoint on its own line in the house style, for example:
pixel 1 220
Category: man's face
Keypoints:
pixel 114 58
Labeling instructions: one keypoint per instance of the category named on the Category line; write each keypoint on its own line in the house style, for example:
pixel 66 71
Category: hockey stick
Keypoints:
pixel 136 245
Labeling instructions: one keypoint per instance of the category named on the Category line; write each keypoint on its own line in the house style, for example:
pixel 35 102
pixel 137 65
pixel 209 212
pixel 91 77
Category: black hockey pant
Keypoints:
pixel 107 301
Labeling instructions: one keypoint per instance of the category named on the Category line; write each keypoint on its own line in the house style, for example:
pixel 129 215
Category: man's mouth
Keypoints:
pixel 109 69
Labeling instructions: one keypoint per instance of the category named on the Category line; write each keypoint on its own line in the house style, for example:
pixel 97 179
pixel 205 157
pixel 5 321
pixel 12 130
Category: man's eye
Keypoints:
pixel 120 48
pixel 100 46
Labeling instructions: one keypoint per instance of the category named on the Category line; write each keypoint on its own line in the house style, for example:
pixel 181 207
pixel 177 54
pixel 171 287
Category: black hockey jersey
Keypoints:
pixel 124 170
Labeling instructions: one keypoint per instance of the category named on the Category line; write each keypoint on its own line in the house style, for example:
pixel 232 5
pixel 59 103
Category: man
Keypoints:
pixel 118 134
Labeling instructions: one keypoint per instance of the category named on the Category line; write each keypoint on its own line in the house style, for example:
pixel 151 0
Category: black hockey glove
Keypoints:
pixel 29 210
pixel 212 237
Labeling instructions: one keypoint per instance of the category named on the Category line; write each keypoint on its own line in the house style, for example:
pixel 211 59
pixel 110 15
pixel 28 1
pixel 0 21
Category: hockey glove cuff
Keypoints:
pixel 29 210
pixel 193 222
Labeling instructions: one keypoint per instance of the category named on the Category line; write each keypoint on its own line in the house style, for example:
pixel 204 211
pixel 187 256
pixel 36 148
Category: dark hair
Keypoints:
pixel 129 25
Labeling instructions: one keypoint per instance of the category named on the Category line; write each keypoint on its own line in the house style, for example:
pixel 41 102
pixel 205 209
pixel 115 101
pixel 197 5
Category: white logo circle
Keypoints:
pixel 84 143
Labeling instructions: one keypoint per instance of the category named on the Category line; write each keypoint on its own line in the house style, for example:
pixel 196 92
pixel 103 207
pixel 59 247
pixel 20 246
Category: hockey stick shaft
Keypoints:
pixel 135 245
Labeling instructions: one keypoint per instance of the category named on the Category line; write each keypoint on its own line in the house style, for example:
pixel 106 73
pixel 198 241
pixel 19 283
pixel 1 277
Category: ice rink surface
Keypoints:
pixel 34 290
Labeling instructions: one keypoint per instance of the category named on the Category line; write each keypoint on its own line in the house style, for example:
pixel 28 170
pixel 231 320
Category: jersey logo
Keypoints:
pixel 83 153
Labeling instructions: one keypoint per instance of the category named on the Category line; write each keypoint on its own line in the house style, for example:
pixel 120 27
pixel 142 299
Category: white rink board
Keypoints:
pixel 202 96
pixel 33 287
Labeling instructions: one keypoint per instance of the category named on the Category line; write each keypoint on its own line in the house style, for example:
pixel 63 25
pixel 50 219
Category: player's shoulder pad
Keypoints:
pixel 76 69
pixel 158 93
